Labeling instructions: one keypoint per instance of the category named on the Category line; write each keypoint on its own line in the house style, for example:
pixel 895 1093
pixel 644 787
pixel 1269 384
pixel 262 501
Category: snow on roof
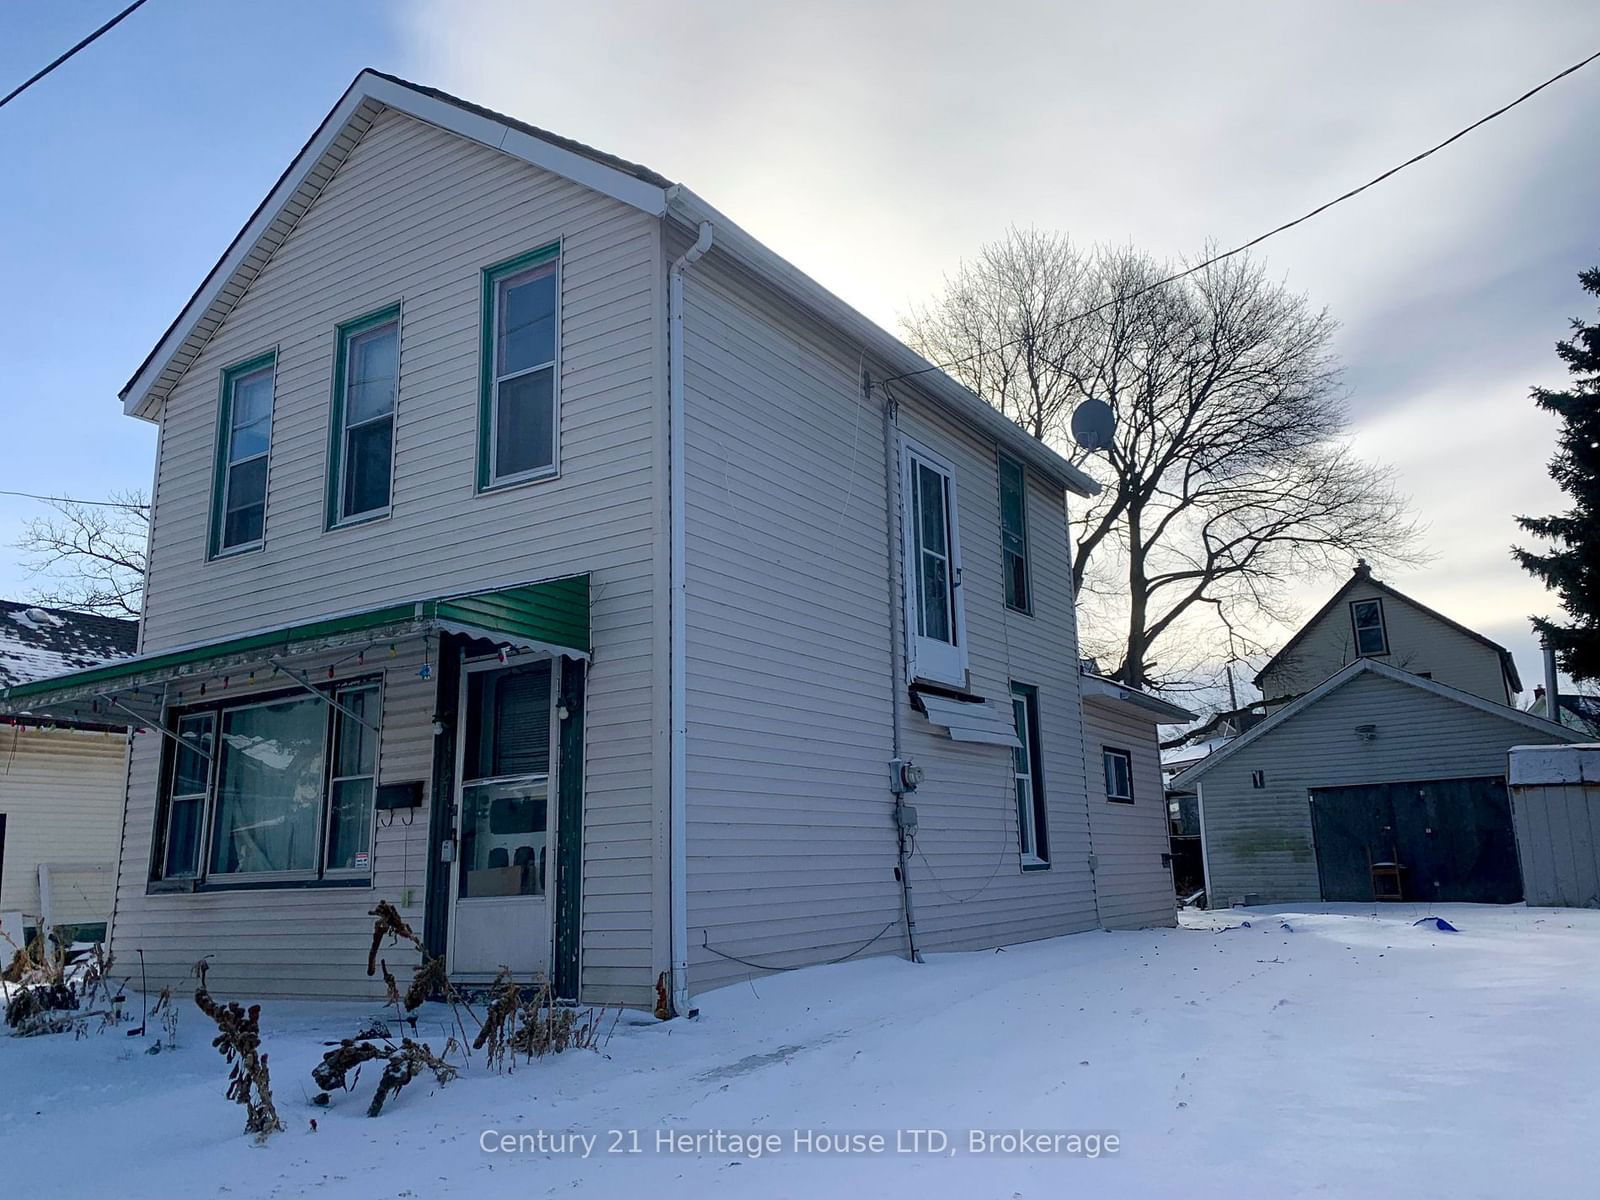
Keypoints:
pixel 36 642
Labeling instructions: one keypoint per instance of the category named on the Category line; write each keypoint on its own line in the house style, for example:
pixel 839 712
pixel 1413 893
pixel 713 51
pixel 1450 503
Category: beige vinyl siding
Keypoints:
pixel 287 941
pixel 61 794
pixel 971 889
pixel 1135 885
pixel 1258 840
pixel 791 842
pixel 1418 642
pixel 413 216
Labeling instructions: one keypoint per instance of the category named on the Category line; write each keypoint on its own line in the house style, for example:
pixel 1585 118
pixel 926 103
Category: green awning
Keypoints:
pixel 551 616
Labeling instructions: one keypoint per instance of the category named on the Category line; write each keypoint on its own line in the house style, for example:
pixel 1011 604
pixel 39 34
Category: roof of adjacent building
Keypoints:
pixel 38 642
pixel 629 182
pixel 1367 666
pixel 1362 576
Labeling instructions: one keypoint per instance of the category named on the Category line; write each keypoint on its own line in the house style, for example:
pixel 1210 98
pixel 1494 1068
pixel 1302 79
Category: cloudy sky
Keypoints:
pixel 875 144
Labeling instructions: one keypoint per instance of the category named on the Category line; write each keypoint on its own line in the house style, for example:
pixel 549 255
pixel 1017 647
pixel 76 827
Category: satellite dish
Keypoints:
pixel 1093 425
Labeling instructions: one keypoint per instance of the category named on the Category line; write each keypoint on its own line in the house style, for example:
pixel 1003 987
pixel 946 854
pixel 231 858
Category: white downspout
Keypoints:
pixel 678 788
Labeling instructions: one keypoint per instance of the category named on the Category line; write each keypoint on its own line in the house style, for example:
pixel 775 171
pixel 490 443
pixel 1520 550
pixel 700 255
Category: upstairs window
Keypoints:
pixel 244 441
pixel 1371 636
pixel 1014 535
pixel 934 610
pixel 519 405
pixel 366 388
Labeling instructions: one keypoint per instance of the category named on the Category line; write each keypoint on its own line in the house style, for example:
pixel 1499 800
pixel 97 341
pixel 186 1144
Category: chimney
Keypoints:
pixel 1552 693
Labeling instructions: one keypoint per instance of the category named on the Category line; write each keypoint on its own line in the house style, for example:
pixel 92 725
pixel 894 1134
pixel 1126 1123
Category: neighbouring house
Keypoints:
pixel 1366 618
pixel 1578 712
pixel 535 550
pixel 61 779
pixel 1383 778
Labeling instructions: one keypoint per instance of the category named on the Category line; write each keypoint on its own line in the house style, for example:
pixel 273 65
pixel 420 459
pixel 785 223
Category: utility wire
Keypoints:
pixel 72 500
pixel 1256 241
pixel 38 75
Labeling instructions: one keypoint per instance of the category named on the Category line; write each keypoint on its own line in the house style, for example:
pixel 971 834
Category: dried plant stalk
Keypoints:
pixel 238 1040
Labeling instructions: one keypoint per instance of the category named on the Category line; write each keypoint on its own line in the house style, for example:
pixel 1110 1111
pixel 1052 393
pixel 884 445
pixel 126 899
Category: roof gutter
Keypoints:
pixel 688 208
pixel 678 789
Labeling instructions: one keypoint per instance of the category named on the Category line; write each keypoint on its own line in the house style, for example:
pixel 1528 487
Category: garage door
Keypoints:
pixel 1452 838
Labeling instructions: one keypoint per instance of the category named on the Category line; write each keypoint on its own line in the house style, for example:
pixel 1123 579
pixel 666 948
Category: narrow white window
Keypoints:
pixel 366 384
pixel 244 440
pixel 520 403
pixel 1371 636
pixel 1028 772
pixel 934 610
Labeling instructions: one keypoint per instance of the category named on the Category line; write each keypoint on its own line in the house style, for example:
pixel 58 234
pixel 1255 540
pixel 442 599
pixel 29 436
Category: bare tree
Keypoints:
pixel 1229 478
pixel 91 556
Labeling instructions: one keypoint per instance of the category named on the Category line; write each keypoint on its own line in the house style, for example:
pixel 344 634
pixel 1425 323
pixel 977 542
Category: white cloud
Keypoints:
pixel 874 145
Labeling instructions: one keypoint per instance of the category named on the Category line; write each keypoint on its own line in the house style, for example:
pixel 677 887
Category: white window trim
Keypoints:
pixel 1107 752
pixel 929 658
pixel 1383 628
pixel 337 695
pixel 496 379
pixel 203 797
pixel 228 464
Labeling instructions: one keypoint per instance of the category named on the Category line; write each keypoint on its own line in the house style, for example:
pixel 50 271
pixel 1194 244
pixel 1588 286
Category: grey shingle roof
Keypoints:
pixel 38 642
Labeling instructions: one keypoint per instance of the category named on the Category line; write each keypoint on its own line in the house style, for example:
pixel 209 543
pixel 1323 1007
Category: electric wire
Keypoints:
pixel 1256 241
pixel 84 44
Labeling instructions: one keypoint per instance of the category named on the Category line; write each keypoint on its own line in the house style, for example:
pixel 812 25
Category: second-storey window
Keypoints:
pixel 366 386
pixel 934 610
pixel 1014 534
pixel 244 441
pixel 520 401
pixel 1371 637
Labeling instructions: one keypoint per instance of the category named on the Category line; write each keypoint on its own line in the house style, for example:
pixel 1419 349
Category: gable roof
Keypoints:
pixel 1363 575
pixel 630 183
pixel 1370 666
pixel 37 642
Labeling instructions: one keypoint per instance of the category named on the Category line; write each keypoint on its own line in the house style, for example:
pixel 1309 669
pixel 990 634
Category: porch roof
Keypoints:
pixel 552 615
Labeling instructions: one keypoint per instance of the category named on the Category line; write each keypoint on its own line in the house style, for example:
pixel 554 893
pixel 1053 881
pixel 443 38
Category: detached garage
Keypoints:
pixel 1377 784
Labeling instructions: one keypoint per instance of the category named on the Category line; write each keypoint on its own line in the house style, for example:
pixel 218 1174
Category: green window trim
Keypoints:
pixel 1018 576
pixel 220 466
pixel 334 517
pixel 492 276
pixel 1033 808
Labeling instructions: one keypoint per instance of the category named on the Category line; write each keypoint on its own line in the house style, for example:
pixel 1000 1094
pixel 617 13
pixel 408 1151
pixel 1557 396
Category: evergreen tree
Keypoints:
pixel 1572 566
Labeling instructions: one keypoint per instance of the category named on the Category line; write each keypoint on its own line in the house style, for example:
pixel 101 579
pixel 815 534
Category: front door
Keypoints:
pixel 505 822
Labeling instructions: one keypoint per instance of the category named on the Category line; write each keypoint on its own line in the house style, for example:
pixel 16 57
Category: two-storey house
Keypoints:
pixel 534 549
pixel 1380 771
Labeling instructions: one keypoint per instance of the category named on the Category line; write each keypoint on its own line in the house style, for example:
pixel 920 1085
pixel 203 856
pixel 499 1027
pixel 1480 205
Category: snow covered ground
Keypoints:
pixel 1348 1055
